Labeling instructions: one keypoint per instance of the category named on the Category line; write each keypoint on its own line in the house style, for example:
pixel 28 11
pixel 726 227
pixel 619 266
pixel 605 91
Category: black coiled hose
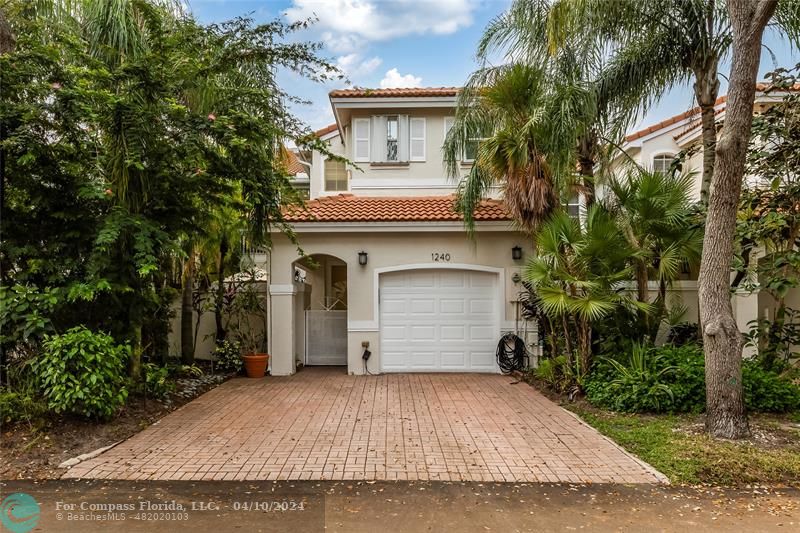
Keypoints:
pixel 511 353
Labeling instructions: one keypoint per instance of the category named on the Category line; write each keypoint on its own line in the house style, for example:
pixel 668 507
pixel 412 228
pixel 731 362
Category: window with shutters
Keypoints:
pixel 391 139
pixel 662 163
pixel 361 139
pixel 471 145
pixel 335 175
pixel 417 139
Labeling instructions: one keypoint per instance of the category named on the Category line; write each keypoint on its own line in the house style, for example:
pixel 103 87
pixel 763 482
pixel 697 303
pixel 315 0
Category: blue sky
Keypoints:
pixel 410 43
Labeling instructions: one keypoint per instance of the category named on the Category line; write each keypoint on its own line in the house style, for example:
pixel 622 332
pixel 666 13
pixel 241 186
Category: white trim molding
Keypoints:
pixel 282 289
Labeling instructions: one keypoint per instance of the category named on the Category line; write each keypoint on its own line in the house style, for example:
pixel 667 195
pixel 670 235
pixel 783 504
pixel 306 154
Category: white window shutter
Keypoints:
pixel 402 138
pixel 378 139
pixel 417 136
pixel 361 139
pixel 448 124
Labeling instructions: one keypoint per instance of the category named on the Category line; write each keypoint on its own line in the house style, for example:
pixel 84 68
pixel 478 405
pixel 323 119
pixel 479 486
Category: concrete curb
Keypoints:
pixel 86 456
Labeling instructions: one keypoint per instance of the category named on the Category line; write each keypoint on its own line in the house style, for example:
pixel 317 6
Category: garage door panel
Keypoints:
pixel 481 333
pixel 394 306
pixel 424 360
pixel 423 333
pixel 482 360
pixel 479 306
pixel 453 332
pixel 451 359
pixel 438 320
pixel 449 306
pixel 420 306
pixel 453 280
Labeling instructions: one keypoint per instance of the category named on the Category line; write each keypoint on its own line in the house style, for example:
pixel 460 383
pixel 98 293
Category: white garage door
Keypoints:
pixel 438 320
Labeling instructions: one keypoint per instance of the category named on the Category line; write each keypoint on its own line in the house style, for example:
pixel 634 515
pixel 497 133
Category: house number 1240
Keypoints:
pixel 442 257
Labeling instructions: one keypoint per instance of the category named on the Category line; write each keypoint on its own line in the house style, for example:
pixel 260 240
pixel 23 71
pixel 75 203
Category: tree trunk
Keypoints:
pixel 725 411
pixel 706 89
pixel 567 341
pixel 187 310
pixel 586 151
pixel 585 341
pixel 223 251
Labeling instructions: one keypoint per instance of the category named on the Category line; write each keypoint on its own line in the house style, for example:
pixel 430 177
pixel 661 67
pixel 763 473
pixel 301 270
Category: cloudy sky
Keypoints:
pixel 408 43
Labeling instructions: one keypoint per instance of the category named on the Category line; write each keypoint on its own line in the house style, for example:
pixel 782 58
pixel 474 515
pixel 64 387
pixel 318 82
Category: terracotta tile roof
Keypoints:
pixel 401 92
pixel 670 121
pixel 695 111
pixel 695 125
pixel 293 164
pixel 349 208
pixel 326 130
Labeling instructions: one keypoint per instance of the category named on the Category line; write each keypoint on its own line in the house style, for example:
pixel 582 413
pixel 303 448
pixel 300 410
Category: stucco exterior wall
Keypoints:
pixel 386 250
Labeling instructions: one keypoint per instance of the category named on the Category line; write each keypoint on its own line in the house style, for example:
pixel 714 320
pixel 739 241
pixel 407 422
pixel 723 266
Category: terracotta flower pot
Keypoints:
pixel 255 364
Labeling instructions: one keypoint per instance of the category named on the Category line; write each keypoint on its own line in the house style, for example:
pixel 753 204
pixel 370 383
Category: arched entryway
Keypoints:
pixel 323 301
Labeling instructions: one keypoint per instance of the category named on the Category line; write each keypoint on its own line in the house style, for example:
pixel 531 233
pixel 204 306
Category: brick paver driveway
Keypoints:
pixel 324 424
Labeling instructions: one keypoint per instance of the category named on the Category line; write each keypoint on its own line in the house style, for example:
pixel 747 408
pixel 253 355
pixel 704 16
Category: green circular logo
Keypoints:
pixel 20 512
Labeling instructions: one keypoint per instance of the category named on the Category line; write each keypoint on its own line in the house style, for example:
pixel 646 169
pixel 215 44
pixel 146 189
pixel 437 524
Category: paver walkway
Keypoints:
pixel 324 424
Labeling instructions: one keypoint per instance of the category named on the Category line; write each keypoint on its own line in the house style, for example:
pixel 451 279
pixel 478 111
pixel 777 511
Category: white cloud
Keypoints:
pixel 377 20
pixel 353 65
pixel 395 80
pixel 342 44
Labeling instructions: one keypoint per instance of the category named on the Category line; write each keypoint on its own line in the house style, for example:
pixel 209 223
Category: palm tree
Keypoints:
pixel 656 217
pixel 501 118
pixel 579 273
pixel 659 45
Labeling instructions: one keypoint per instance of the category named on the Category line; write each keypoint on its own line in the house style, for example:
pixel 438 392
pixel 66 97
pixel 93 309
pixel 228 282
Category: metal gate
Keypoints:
pixel 326 337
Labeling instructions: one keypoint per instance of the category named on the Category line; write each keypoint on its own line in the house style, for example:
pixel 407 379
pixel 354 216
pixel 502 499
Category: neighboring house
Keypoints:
pixel 655 147
pixel 388 266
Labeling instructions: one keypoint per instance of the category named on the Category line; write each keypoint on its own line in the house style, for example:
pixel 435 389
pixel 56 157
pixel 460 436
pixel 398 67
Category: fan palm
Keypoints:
pixel 655 214
pixel 658 45
pixel 506 108
pixel 579 273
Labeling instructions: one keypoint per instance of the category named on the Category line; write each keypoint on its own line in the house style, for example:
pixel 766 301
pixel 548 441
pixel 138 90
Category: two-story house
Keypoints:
pixel 388 269
pixel 655 147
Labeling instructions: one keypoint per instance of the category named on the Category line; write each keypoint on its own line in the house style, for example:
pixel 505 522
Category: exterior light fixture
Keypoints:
pixel 362 258
pixel 516 253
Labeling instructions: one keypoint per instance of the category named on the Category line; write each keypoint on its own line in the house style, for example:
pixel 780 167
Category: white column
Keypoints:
pixel 282 334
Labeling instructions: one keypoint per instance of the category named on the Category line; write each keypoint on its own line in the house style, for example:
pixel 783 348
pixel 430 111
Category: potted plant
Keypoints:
pixel 249 305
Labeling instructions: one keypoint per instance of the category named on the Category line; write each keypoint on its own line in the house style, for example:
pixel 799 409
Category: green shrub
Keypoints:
pixel 640 383
pixel 767 391
pixel 559 375
pixel 157 382
pixel 227 357
pixel 20 406
pixel 641 387
pixel 82 372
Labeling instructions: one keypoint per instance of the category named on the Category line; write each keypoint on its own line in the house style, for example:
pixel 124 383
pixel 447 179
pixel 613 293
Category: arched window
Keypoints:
pixel 662 163
pixel 335 175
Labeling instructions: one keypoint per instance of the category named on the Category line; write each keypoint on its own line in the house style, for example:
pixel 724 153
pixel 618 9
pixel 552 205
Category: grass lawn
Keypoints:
pixel 677 446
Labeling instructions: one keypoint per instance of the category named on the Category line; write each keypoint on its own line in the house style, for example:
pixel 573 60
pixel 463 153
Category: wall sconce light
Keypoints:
pixel 362 258
pixel 516 253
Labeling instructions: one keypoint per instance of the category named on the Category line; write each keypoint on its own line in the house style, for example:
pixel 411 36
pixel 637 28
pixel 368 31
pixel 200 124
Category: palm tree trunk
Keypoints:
pixel 223 251
pixel 567 341
pixel 586 150
pixel 706 89
pixel 187 310
pixel 725 410
pixel 585 344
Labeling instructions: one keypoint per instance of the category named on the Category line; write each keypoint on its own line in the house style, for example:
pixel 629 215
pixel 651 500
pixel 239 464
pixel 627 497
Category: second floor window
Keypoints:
pixel 391 138
pixel 663 163
pixel 335 175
